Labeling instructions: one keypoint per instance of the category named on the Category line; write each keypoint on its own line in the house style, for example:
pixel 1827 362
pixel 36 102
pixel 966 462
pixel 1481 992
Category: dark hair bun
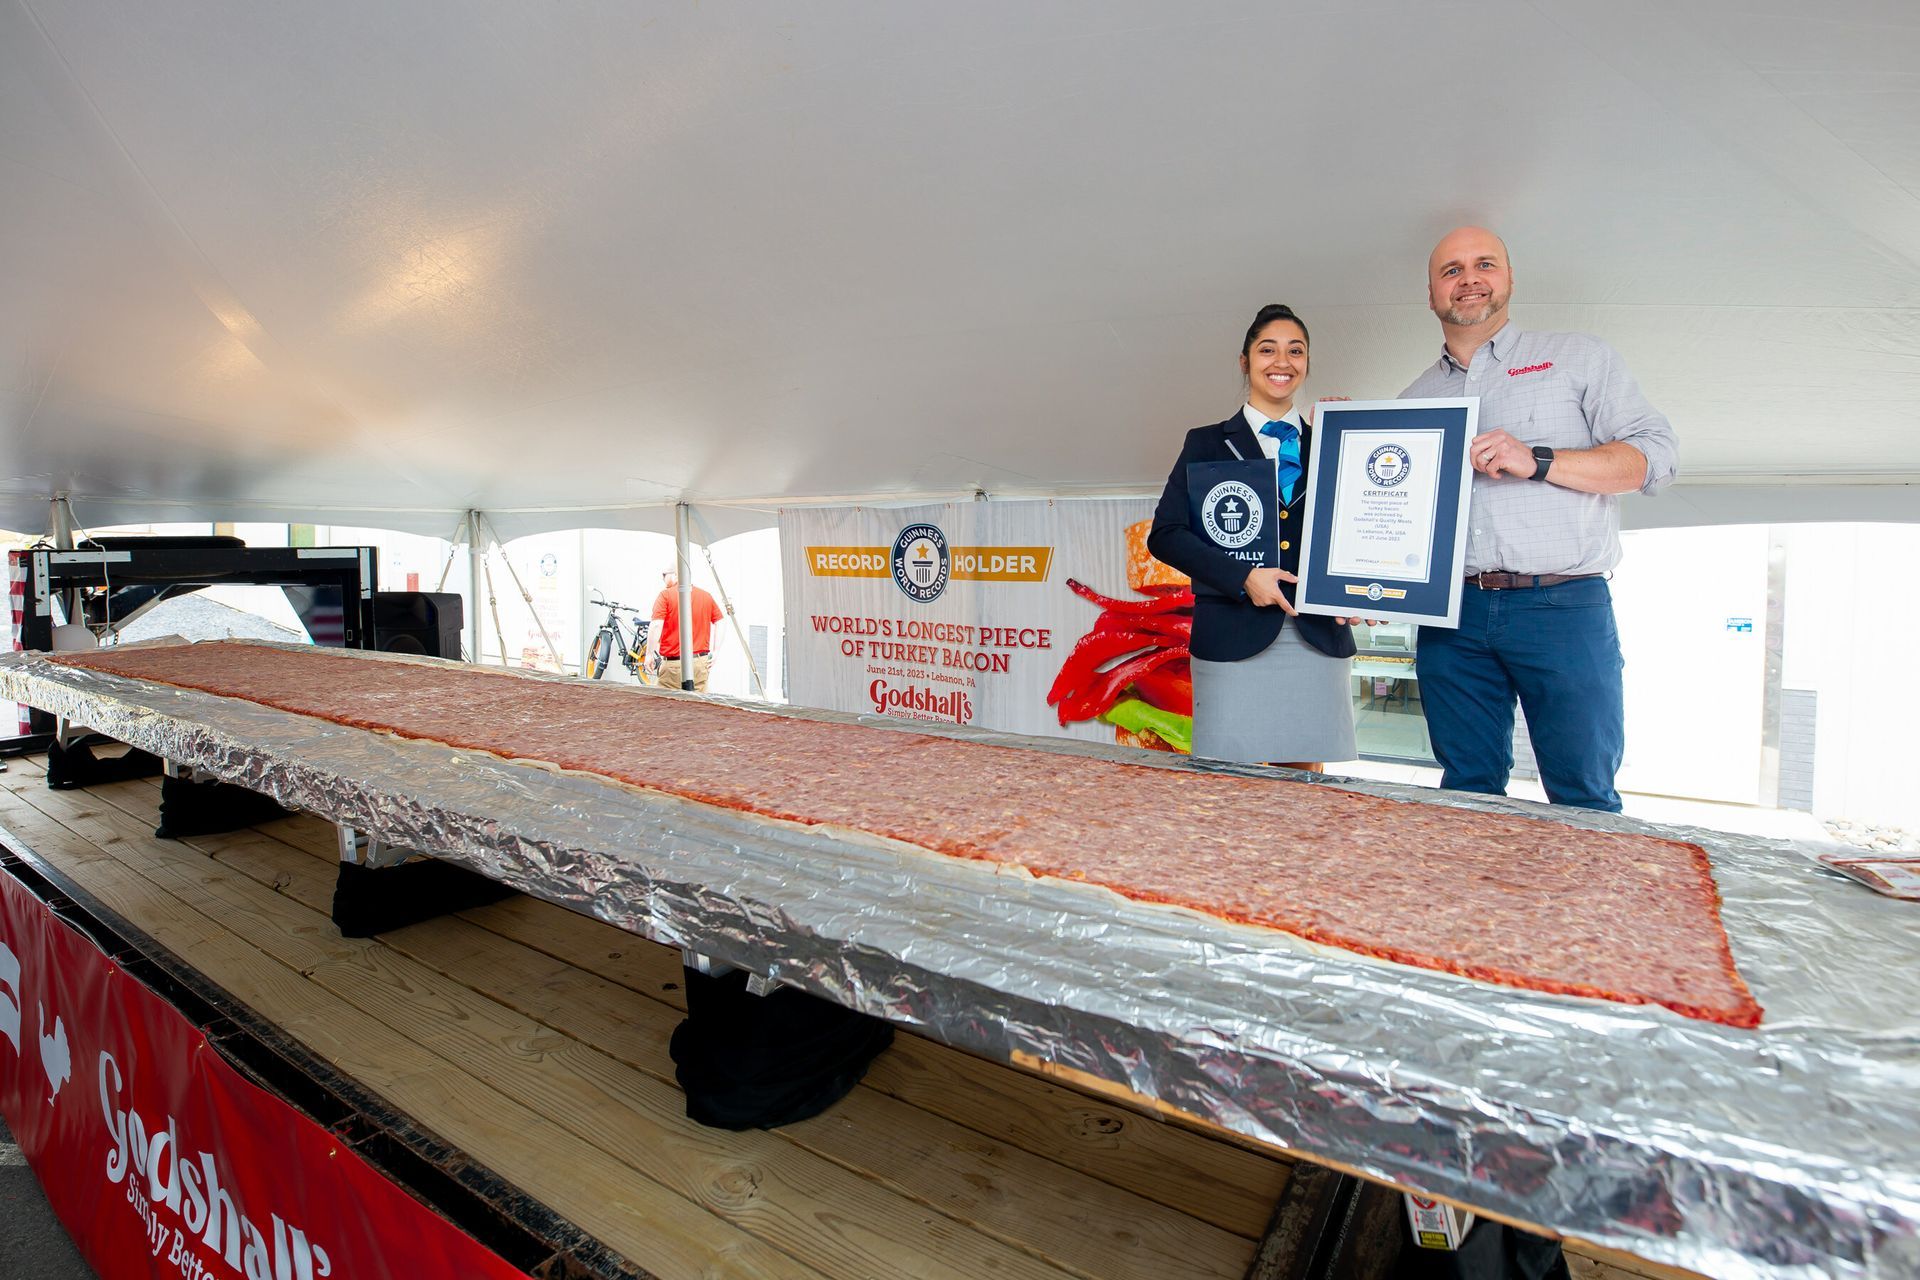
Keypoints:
pixel 1267 315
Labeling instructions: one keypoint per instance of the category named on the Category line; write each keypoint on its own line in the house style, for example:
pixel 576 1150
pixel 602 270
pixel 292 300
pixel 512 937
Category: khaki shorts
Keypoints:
pixel 670 672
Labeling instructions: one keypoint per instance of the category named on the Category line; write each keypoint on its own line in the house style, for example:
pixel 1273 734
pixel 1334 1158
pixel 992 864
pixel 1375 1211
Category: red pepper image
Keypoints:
pixel 1177 625
pixel 1170 598
pixel 1106 688
pixel 1132 667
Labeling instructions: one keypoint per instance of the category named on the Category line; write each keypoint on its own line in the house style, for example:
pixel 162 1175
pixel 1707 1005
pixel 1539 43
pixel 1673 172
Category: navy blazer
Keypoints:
pixel 1229 627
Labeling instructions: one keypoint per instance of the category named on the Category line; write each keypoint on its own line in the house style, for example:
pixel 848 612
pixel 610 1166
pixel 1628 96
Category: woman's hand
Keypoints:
pixel 1308 415
pixel 1263 589
pixel 1354 622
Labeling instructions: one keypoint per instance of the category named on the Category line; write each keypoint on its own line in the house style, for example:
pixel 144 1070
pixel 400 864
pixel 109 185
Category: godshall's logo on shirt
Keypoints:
pixel 1542 367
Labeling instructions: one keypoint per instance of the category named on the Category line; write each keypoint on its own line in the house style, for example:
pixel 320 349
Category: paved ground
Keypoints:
pixel 32 1242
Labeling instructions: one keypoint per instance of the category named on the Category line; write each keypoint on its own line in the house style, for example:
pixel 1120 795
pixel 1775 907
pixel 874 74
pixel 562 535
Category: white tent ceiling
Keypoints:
pixel 380 261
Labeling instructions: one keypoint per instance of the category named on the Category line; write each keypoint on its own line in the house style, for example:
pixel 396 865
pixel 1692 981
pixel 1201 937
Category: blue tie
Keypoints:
pixel 1287 464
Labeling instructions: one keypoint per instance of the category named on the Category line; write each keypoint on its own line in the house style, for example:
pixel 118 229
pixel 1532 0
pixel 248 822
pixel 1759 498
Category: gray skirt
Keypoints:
pixel 1289 702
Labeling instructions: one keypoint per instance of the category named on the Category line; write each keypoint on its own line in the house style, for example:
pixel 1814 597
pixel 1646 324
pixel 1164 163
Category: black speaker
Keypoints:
pixel 423 622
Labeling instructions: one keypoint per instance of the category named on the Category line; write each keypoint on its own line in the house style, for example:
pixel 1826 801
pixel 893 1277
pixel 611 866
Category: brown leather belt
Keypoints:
pixel 1514 581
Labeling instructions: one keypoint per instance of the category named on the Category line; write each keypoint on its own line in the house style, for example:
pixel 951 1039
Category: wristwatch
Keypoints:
pixel 1542 460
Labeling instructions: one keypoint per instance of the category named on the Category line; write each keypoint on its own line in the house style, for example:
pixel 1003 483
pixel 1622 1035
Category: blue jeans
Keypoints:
pixel 1556 649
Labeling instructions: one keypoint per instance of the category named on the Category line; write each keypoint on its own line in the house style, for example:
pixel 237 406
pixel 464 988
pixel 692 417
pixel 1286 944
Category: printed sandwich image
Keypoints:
pixel 1133 670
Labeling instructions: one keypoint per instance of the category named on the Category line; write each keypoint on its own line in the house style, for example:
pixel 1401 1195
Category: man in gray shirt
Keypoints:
pixel 1563 431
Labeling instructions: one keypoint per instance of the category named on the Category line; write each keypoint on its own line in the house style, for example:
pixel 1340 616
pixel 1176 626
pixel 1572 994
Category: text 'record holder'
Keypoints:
pixel 1388 489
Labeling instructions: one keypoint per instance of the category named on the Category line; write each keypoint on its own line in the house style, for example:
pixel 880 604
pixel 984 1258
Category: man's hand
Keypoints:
pixel 1497 453
pixel 1263 588
pixel 1308 415
pixel 1354 622
pixel 1616 467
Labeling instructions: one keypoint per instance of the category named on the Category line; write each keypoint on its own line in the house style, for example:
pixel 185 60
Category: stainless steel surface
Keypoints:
pixel 1793 1150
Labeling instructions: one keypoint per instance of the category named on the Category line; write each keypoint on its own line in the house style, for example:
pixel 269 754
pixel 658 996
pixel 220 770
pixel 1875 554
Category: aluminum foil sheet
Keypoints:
pixel 1789 1151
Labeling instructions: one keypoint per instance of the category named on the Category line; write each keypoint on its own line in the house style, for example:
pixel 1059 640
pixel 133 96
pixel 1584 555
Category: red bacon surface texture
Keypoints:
pixel 1517 901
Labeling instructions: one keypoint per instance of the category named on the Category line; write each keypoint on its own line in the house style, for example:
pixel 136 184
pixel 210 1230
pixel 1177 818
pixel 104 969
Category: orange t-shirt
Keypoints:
pixel 664 634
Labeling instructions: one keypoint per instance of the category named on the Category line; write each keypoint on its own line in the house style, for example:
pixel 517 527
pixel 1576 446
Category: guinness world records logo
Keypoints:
pixel 1387 466
pixel 921 562
pixel 1232 514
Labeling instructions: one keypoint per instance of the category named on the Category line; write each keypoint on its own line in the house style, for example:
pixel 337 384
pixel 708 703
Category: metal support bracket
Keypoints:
pixel 758 984
pixel 363 850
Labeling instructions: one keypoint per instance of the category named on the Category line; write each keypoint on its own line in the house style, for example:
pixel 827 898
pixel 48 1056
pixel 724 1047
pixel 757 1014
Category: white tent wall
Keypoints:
pixel 1850 638
pixel 1695 680
pixel 749 565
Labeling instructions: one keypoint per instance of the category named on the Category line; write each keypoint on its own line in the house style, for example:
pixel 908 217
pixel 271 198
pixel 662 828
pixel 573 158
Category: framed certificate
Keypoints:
pixel 1386 531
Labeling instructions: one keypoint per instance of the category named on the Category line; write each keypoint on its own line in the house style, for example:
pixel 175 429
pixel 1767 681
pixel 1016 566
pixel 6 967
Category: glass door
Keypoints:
pixel 1388 721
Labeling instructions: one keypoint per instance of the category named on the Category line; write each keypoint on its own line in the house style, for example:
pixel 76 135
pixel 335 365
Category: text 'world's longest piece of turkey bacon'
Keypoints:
pixel 1516 901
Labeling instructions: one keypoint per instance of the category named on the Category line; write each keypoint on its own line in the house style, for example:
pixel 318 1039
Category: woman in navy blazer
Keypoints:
pixel 1264 692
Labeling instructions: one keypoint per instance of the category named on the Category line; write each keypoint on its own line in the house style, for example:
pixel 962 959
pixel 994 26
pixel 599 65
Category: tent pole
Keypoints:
pixel 60 522
pixel 682 535
pixel 476 568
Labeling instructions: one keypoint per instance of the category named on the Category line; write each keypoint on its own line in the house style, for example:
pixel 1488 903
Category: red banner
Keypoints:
pixel 160 1159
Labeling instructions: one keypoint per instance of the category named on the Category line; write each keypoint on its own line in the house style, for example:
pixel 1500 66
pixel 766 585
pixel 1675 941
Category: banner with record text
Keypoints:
pixel 964 612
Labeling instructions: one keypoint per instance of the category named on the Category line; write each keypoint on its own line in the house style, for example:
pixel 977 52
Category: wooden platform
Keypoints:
pixel 535 1041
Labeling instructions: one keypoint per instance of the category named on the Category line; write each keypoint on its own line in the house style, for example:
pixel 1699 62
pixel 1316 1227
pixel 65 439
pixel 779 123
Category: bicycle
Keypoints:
pixel 611 637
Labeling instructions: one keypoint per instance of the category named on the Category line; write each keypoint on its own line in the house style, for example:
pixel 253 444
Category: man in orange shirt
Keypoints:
pixel 663 636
